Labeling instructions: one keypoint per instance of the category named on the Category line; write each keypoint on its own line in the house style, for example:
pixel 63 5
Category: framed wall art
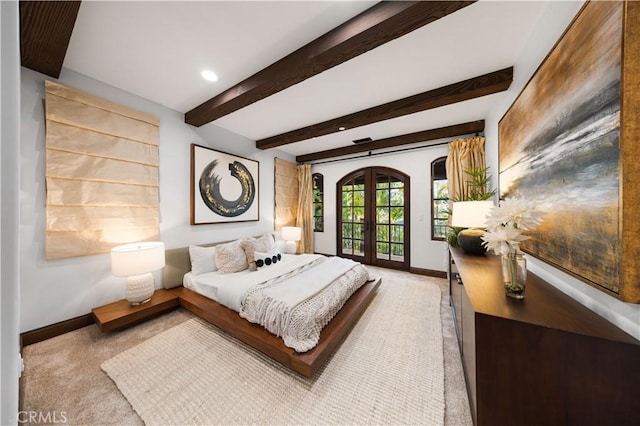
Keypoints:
pixel 224 187
pixel 569 142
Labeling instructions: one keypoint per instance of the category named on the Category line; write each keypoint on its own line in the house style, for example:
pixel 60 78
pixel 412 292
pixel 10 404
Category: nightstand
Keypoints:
pixel 121 314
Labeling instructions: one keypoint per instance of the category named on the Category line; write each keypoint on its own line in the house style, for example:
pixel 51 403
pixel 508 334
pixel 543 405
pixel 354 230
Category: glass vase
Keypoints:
pixel 514 274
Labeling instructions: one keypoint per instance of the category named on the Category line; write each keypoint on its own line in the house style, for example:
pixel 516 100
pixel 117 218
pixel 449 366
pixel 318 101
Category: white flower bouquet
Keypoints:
pixel 506 225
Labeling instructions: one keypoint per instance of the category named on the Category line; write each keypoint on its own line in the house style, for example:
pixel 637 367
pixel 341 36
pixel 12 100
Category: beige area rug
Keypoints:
pixel 389 370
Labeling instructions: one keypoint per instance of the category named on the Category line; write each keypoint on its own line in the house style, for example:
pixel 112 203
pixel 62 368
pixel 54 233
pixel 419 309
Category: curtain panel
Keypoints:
pixel 305 208
pixel 464 154
pixel 102 176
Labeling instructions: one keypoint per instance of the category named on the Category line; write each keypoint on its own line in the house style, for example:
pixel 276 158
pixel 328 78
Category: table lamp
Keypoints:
pixel 471 215
pixel 291 234
pixel 136 262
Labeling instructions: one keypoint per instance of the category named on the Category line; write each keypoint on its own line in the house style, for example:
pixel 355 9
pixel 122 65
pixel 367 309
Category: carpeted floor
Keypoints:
pixel 63 375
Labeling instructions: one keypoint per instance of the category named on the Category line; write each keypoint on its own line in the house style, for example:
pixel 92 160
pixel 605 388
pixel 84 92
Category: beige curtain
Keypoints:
pixel 464 154
pixel 305 208
pixel 101 174
pixel 286 193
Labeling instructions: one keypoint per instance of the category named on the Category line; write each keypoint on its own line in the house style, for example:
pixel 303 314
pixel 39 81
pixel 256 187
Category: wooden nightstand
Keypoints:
pixel 121 314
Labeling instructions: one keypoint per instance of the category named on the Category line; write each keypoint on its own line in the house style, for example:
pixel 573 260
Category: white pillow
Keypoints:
pixel 203 259
pixel 263 243
pixel 231 257
pixel 267 259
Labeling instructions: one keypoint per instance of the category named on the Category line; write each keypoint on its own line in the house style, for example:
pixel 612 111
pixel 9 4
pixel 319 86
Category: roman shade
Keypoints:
pixel 101 174
pixel 286 193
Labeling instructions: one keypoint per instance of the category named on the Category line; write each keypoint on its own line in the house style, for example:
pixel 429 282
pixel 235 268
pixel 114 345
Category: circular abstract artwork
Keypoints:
pixel 212 197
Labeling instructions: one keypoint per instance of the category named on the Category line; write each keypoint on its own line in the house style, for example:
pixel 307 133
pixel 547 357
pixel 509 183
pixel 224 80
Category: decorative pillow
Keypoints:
pixel 230 257
pixel 263 243
pixel 266 259
pixel 203 259
pixel 247 246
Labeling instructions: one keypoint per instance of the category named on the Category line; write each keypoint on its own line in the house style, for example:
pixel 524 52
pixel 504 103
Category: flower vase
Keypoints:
pixel 514 274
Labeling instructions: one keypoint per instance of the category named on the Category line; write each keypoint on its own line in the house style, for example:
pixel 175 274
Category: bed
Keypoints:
pixel 206 303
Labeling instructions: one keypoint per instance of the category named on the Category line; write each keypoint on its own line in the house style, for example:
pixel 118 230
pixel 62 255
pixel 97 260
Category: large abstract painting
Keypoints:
pixel 560 145
pixel 224 187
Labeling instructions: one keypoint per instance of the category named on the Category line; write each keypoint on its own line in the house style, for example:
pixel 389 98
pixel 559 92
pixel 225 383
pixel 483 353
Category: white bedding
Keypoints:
pixel 235 285
pixel 293 299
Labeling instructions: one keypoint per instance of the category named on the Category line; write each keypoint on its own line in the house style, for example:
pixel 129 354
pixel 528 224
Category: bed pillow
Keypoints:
pixel 269 258
pixel 203 259
pixel 263 243
pixel 230 257
pixel 249 251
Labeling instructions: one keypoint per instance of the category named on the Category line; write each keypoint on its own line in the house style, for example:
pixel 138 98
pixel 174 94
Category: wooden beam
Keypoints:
pixel 45 31
pixel 375 26
pixel 423 136
pixel 462 91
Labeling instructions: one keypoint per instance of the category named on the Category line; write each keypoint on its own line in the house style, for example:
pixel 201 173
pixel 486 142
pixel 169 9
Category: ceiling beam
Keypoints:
pixel 423 136
pixel 476 87
pixel 45 31
pixel 375 26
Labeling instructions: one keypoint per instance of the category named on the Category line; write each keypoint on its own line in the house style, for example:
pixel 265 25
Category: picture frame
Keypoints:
pixel 568 143
pixel 224 187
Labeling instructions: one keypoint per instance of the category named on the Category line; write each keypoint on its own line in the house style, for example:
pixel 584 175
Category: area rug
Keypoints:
pixel 389 370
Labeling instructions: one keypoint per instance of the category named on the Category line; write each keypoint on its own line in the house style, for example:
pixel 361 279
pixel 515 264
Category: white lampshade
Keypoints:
pixel 471 214
pixel 137 258
pixel 291 233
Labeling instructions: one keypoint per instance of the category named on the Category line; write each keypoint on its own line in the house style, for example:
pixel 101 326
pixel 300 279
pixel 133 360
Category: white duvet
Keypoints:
pixel 228 289
pixel 293 299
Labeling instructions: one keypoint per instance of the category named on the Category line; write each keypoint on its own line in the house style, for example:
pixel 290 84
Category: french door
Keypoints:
pixel 373 217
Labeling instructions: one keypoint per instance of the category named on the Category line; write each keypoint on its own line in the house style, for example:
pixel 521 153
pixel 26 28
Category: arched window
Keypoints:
pixel 439 200
pixel 318 202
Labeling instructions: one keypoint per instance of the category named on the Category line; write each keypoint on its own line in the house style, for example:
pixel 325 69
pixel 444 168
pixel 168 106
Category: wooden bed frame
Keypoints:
pixel 258 337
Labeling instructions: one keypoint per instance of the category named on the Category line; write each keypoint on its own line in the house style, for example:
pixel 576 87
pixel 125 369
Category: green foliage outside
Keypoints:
pixel 389 217
pixel 318 201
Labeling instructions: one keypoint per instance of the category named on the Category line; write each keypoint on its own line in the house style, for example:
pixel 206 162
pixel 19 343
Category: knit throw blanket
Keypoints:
pixel 298 308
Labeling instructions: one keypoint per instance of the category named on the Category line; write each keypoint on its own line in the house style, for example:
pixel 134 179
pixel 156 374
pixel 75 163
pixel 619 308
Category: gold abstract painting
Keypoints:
pixel 559 145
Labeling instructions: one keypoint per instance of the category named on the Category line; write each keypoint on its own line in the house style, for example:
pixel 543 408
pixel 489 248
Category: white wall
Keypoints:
pixel 9 213
pixel 58 290
pixel 425 253
pixel 551 25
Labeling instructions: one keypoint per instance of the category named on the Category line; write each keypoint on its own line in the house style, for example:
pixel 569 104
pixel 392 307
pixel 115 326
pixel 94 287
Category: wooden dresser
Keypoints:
pixel 544 360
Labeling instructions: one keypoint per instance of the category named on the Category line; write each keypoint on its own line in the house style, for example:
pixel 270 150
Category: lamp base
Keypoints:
pixel 470 241
pixel 140 288
pixel 290 247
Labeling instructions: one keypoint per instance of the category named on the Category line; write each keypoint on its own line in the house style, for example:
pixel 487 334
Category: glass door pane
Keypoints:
pixel 389 218
pixel 353 216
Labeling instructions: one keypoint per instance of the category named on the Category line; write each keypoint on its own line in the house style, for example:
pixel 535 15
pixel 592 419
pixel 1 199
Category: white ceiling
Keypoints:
pixel 158 49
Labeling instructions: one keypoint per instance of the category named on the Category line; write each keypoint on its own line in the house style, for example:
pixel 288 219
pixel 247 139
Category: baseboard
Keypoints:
pixel 47 332
pixel 428 272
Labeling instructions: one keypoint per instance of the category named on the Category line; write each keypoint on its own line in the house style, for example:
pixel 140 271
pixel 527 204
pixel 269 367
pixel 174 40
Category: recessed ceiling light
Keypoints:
pixel 342 128
pixel 209 75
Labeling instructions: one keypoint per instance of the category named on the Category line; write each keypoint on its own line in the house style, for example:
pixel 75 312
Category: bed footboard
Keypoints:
pixel 307 363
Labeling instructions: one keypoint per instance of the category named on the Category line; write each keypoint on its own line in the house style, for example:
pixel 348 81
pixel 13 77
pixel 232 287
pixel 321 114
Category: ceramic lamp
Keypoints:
pixel 473 216
pixel 291 234
pixel 136 262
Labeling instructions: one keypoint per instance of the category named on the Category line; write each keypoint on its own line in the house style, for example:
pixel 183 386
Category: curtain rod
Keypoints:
pixel 373 154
